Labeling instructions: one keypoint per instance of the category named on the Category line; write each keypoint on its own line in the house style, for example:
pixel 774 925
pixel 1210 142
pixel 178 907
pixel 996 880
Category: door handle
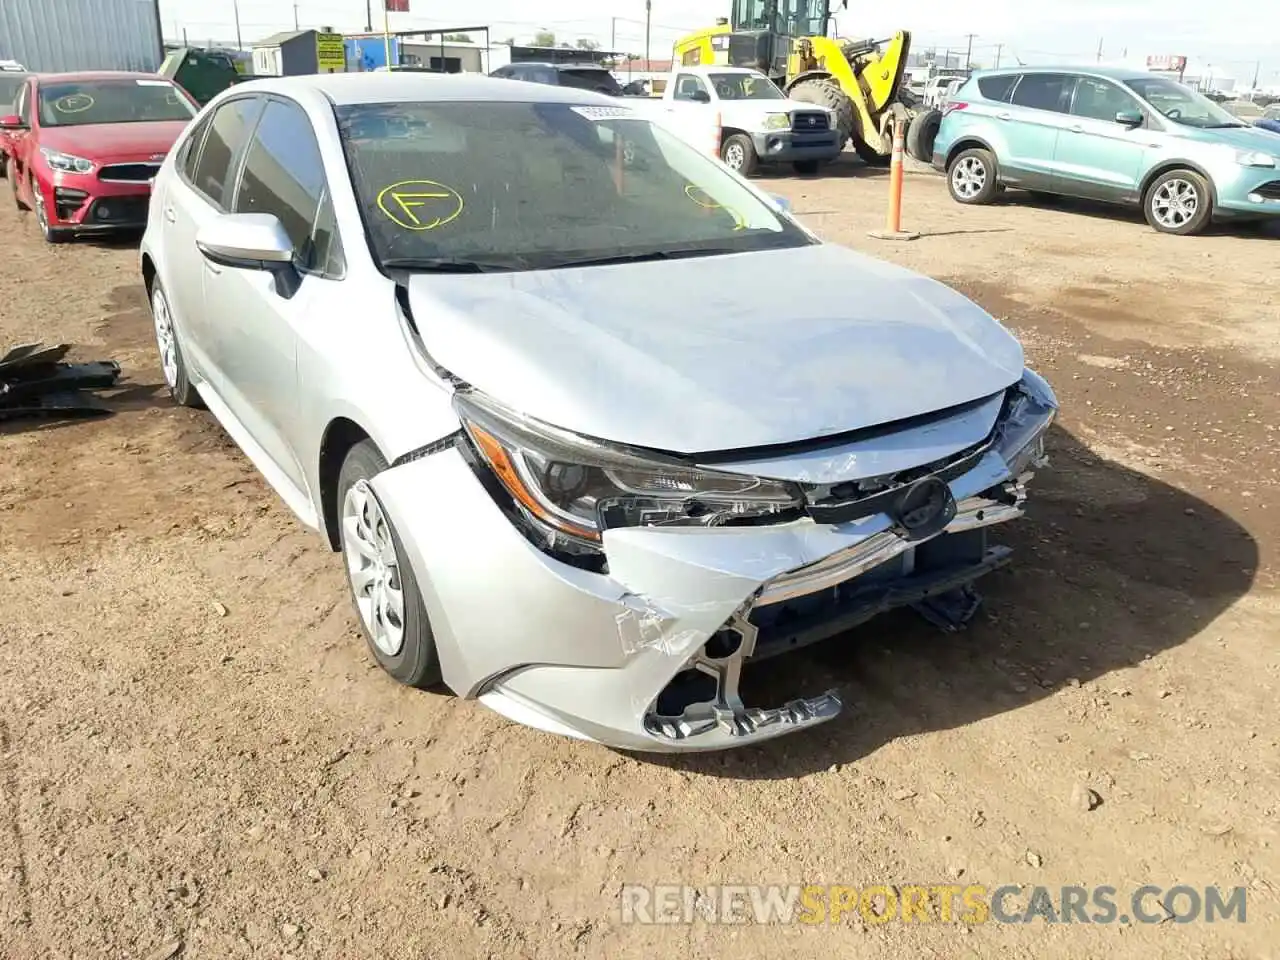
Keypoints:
pixel 1004 116
pixel 170 214
pixel 1076 128
pixel 212 269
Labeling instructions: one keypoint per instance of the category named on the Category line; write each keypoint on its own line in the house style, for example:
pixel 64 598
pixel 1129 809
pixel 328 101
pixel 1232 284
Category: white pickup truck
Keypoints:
pixel 759 124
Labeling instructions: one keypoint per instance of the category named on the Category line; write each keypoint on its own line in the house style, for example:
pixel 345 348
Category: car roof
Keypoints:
pixel 1110 73
pixel 346 89
pixel 96 75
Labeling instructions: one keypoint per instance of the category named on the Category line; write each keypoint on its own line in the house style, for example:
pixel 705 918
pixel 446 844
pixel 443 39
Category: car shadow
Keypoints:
pixel 1110 567
pixel 1261 228
pixel 845 166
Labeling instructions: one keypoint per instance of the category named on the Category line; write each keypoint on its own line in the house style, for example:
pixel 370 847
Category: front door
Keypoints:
pixel 1097 156
pixel 195 197
pixel 256 344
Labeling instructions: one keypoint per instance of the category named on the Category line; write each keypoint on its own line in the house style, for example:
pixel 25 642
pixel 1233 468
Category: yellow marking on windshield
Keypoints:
pixel 707 202
pixel 420 204
pixel 74 103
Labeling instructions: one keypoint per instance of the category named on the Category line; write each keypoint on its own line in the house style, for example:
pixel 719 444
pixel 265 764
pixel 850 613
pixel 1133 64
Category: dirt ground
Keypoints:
pixel 198 757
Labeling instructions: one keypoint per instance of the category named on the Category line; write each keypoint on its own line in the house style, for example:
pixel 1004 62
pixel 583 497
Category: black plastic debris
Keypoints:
pixel 34 382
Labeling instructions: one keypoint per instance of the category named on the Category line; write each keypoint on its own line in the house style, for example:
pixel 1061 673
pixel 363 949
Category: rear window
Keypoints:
pixel 590 80
pixel 997 88
pixel 1043 91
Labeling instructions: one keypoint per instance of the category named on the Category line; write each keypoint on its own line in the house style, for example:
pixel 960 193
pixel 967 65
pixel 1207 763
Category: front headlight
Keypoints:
pixel 1029 414
pixel 1254 158
pixel 576 487
pixel 66 162
pixel 777 121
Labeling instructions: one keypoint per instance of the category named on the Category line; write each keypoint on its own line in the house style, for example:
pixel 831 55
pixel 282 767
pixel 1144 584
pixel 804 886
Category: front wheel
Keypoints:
pixel 971 177
pixel 739 154
pixel 1178 202
pixel 384 590
pixel 50 234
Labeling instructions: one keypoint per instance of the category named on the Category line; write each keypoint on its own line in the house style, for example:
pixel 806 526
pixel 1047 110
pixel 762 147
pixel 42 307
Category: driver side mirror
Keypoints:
pixel 251 241
pixel 700 96
pixel 1129 118
pixel 12 123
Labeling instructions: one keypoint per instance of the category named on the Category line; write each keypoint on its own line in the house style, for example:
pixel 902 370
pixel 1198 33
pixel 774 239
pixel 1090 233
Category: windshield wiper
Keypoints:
pixel 453 265
pixel 642 257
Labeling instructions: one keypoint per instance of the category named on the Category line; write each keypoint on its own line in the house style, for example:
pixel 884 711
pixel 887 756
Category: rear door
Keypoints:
pixel 201 192
pixel 1096 156
pixel 1036 115
pixel 258 332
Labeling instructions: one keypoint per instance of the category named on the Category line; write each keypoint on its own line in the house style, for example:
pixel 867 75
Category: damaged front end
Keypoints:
pixel 625 591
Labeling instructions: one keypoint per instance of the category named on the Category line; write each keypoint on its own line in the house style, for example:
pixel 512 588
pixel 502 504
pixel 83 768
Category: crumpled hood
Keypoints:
pixel 716 353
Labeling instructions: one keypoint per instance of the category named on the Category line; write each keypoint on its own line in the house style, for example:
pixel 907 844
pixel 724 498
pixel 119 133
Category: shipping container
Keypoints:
pixel 60 35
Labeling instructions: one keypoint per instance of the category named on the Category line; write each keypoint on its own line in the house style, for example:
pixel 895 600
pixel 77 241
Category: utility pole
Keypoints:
pixel 235 8
pixel 648 16
pixel 613 33
pixel 968 56
pixel 368 16
pixel 946 59
pixel 1257 67
pixel 999 48
pixel 1100 39
pixel 295 16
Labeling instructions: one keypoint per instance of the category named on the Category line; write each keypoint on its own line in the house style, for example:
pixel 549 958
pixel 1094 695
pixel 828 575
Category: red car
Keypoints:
pixel 83 148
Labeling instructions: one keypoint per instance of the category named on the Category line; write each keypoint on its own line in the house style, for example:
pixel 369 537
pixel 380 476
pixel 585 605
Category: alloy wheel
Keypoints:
pixel 735 156
pixel 165 338
pixel 373 568
pixel 1175 203
pixel 969 177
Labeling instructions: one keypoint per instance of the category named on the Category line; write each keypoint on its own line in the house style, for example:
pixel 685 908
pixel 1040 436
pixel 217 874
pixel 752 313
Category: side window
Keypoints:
pixel 191 150
pixel 1100 100
pixel 284 175
pixel 997 88
pixel 230 128
pixel 543 75
pixel 687 85
pixel 1043 91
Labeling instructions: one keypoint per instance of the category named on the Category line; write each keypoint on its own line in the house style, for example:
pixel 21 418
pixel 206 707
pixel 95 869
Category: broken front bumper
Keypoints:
pixel 649 655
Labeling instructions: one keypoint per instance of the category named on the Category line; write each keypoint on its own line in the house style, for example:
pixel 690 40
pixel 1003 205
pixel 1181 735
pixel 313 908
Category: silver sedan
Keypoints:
pixel 594 423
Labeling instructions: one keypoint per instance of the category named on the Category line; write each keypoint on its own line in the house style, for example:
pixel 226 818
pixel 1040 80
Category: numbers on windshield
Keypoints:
pixel 420 205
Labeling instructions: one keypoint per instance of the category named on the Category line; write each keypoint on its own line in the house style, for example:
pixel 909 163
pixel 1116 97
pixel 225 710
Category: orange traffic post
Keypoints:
pixel 893 227
pixel 718 138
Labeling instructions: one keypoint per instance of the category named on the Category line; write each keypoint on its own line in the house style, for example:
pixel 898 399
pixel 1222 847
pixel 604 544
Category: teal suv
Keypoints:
pixel 1114 135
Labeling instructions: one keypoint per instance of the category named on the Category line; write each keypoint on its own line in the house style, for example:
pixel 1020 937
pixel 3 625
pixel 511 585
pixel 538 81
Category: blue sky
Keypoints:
pixel 1231 34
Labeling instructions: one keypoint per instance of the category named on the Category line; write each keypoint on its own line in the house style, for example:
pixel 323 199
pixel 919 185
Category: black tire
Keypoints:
pixel 739 153
pixel 806 167
pixel 13 184
pixel 869 154
pixel 1193 185
pixel 976 162
pixel 827 93
pixel 921 132
pixel 181 389
pixel 415 664
pixel 50 234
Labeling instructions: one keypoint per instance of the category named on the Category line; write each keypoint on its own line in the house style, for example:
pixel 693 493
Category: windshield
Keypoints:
pixel 540 185
pixel 1181 104
pixel 745 86
pixel 1243 109
pixel 10 84
pixel 76 103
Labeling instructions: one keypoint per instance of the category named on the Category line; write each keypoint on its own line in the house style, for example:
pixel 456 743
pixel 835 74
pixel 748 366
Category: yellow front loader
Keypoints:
pixel 860 80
